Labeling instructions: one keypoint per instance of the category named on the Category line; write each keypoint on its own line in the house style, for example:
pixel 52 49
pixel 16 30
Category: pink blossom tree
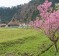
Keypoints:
pixel 49 23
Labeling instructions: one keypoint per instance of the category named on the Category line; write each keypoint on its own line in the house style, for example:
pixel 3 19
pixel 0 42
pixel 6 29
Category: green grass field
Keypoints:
pixel 24 42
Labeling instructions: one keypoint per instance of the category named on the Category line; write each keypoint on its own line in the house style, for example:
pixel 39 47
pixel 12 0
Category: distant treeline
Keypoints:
pixel 23 13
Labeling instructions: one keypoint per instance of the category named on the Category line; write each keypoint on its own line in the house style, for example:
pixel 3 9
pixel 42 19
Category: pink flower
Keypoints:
pixel 51 18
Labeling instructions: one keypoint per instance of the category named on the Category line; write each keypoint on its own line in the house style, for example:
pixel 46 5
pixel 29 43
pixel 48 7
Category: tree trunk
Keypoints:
pixel 56 47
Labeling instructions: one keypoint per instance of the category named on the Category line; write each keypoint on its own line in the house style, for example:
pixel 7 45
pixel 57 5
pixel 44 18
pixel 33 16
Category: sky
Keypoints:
pixel 10 3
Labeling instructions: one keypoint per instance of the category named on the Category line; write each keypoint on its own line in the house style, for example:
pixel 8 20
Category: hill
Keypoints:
pixel 23 13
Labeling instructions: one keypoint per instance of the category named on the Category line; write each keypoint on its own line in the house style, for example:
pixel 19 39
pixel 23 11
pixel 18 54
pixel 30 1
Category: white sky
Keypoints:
pixel 10 3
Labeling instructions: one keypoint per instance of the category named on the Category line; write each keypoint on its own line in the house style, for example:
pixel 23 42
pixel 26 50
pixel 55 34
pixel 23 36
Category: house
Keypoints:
pixel 2 25
pixel 17 24
pixel 13 23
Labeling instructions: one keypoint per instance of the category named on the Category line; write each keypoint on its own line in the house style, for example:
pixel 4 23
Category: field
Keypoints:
pixel 24 42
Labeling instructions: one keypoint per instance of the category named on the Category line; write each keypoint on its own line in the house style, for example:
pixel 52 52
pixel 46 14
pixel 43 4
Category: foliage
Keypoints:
pixel 34 15
pixel 6 14
pixel 23 12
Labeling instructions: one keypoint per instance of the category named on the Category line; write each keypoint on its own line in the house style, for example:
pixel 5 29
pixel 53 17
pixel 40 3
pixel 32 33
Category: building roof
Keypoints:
pixel 13 22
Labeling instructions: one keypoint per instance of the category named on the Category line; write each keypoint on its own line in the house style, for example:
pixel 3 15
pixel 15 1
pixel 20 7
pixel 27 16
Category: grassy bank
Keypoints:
pixel 22 42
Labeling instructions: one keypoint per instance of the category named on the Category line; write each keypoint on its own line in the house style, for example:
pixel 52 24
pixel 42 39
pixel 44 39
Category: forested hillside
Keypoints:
pixel 23 13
